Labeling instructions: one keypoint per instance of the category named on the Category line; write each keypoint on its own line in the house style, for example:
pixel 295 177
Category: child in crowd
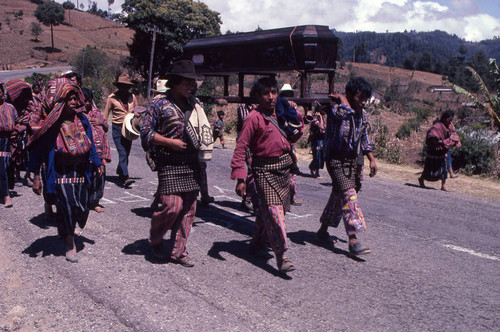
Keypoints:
pixel 219 128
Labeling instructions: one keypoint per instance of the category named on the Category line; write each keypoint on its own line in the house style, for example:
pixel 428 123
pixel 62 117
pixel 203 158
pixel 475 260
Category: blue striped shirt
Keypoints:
pixel 345 131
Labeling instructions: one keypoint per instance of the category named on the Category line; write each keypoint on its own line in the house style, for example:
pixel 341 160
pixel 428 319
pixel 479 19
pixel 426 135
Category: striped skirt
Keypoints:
pixel 96 191
pixel 5 161
pixel 71 200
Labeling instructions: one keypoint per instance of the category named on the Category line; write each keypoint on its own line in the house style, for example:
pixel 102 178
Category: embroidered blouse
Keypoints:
pixel 8 119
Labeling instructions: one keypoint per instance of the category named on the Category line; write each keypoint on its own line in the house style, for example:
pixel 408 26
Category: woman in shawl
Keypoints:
pixel 440 138
pixel 99 130
pixel 20 95
pixel 8 119
pixel 64 142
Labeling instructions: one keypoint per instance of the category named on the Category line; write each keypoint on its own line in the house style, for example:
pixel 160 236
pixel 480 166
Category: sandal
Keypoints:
pixel 285 264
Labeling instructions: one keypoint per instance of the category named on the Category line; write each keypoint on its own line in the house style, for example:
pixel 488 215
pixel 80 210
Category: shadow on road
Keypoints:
pixel 142 248
pixel 211 213
pixel 303 237
pixel 53 245
pixel 116 180
pixel 418 186
pixel 43 221
pixel 240 249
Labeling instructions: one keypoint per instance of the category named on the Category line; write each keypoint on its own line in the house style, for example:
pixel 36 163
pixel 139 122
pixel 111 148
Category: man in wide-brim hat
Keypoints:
pixel 163 133
pixel 119 104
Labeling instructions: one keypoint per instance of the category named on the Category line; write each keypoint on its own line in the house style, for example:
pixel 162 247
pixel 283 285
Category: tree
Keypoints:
pixel 68 5
pixel 50 14
pixel 36 30
pixel 176 21
pixel 491 105
pixel 98 68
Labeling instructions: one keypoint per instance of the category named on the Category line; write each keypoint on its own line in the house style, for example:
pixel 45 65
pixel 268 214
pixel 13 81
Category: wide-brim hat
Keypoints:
pixel 123 80
pixel 184 68
pixel 128 129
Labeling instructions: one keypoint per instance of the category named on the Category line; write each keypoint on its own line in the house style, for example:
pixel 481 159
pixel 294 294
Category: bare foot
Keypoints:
pixel 99 209
pixel 8 202
pixel 443 188
pixel 71 249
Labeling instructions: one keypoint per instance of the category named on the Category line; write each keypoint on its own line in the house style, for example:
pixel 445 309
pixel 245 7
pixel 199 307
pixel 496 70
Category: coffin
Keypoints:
pixel 309 48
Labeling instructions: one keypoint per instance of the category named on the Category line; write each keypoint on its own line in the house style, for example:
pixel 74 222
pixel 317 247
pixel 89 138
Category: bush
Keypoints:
pixel 38 77
pixel 230 126
pixel 409 126
pixel 383 148
pixel 477 155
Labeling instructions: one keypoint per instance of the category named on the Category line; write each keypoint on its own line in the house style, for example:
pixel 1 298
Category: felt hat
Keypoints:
pixel 123 79
pixel 184 68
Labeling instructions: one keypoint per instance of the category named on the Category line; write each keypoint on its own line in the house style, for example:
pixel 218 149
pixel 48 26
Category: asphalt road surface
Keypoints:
pixel 434 264
pixel 7 75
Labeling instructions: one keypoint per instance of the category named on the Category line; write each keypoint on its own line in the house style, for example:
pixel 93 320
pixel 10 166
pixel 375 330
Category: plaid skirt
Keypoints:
pixel 179 173
pixel 343 173
pixel 272 179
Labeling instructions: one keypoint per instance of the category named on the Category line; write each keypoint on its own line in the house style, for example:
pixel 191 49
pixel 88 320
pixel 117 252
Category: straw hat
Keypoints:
pixel 123 79
pixel 131 127
pixel 161 86
pixel 286 87
pixel 184 68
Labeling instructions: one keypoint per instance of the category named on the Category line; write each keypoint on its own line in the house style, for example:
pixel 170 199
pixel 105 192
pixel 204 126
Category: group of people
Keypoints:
pixel 264 149
pixel 56 133
pixel 68 151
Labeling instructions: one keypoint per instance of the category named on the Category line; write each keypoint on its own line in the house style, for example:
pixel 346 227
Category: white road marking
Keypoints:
pixel 471 252
pixel 131 198
pixel 221 190
pixel 295 216
pixel 107 201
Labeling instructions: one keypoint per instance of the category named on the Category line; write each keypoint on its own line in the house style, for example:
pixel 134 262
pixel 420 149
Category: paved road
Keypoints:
pixel 434 265
pixel 6 75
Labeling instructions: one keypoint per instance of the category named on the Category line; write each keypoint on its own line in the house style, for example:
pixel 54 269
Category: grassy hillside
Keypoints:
pixel 20 50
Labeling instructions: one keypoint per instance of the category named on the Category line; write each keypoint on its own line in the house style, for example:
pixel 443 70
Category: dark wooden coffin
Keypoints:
pixel 311 48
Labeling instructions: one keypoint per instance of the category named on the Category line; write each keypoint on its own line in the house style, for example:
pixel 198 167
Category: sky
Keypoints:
pixel 473 20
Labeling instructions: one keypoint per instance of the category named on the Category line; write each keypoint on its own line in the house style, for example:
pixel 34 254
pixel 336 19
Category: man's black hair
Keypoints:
pixel 87 93
pixel 221 112
pixel 174 80
pixel 262 84
pixel 72 74
pixel 446 114
pixel 356 85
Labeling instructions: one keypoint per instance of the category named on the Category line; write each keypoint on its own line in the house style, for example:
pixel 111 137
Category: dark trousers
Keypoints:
pixel 123 147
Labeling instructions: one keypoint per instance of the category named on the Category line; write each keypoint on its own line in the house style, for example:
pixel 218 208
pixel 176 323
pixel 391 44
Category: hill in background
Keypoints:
pixel 395 48
pixel 20 50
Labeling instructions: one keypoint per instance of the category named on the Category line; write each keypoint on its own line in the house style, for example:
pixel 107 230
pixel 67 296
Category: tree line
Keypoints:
pixel 436 52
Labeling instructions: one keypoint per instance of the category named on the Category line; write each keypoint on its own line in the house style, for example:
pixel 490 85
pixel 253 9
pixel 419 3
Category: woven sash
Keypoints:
pixel 70 180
